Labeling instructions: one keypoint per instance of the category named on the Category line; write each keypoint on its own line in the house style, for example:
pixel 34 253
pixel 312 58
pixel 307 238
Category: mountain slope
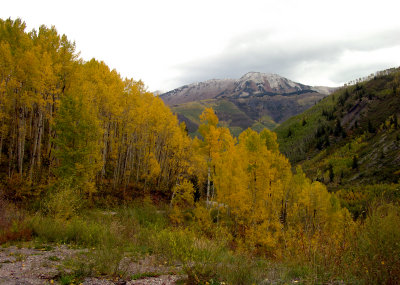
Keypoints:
pixel 255 100
pixel 351 137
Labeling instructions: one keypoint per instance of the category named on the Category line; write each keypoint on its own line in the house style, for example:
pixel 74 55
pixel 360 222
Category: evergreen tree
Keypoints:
pixel 355 162
pixel 331 173
pixel 338 128
pixel 371 129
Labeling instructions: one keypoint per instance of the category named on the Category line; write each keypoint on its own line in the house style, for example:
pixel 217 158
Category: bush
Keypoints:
pixel 76 231
pixel 198 257
pixel 19 190
pixel 144 214
pixel 13 225
pixel 376 250
pixel 63 200
pixel 103 237
pixel 107 258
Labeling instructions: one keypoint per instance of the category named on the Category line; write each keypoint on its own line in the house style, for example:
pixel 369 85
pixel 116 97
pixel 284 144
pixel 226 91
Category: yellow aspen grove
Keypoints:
pixel 137 143
pixel 314 217
pixel 250 178
pixel 34 72
pixel 212 143
pixel 266 208
pixel 265 191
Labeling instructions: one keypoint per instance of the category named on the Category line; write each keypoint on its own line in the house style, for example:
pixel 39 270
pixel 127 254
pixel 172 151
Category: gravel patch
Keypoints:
pixel 26 266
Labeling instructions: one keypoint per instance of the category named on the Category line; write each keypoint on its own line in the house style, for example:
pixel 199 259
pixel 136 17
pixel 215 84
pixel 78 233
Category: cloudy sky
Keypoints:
pixel 168 43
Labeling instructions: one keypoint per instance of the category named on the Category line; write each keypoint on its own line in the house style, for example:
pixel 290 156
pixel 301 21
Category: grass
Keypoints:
pixel 193 110
pixel 145 275
pixel 44 247
pixel 68 279
pixel 54 258
pixel 138 230
pixel 142 229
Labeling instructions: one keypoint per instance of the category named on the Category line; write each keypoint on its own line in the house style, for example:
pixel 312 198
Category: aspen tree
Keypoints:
pixel 76 142
pixel 210 132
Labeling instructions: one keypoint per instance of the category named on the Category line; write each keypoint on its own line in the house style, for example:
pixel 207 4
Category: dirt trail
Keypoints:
pixel 25 266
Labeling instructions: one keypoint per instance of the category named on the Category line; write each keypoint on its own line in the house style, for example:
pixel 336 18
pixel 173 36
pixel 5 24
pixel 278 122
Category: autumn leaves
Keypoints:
pixel 76 131
pixel 265 205
pixel 65 119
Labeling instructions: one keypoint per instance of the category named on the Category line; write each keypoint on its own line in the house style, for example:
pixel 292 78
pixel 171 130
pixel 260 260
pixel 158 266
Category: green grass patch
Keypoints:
pixel 145 275
pixel 53 258
pixel 68 279
pixel 140 229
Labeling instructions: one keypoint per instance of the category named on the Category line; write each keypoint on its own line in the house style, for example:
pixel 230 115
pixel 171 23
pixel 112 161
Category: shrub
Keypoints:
pixel 63 200
pixel 107 258
pixel 19 190
pixel 182 202
pixel 377 248
pixel 199 258
pixel 143 213
pixel 13 224
pixel 76 231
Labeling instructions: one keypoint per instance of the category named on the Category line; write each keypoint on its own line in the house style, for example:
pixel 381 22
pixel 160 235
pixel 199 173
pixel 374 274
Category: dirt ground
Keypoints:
pixel 26 266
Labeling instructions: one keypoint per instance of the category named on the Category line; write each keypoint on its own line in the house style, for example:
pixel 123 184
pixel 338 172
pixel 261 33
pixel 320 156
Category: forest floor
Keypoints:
pixel 53 265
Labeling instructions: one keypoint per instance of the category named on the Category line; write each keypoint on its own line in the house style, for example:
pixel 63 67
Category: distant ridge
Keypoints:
pixel 251 83
pixel 254 100
pixel 351 137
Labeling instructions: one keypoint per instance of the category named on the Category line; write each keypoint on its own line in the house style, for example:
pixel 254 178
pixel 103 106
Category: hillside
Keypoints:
pixel 255 100
pixel 351 137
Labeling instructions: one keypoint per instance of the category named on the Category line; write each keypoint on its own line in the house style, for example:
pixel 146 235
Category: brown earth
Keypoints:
pixel 27 266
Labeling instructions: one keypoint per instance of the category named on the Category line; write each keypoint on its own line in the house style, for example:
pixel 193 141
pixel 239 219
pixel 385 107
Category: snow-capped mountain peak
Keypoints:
pixel 250 84
pixel 270 82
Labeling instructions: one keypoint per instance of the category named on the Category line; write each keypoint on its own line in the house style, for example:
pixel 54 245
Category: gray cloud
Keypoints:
pixel 262 51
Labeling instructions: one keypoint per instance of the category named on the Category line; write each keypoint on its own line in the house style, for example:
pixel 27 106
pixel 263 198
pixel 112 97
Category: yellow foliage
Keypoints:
pixel 183 195
pixel 203 222
pixel 82 121
pixel 267 209
pixel 182 200
pixel 64 201
pixel 120 138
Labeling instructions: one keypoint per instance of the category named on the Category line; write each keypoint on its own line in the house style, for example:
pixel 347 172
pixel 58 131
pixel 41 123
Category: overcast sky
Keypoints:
pixel 168 43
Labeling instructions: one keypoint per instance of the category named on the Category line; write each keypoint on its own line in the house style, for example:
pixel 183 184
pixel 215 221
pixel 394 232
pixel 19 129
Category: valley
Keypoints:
pixel 256 180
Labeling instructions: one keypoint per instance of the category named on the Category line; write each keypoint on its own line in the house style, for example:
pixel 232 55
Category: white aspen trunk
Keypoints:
pixel 35 143
pixel 138 167
pixel 21 144
pixel 163 162
pixel 1 145
pixel 10 159
pixel 48 149
pixel 116 171
pixel 10 151
pixel 40 125
pixel 128 167
pixel 105 138
pixel 173 193
pixel 30 123
pixel 208 185
pixel 125 165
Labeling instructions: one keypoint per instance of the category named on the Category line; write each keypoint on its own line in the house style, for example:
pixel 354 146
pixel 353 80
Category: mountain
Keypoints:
pixel 255 100
pixel 351 137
